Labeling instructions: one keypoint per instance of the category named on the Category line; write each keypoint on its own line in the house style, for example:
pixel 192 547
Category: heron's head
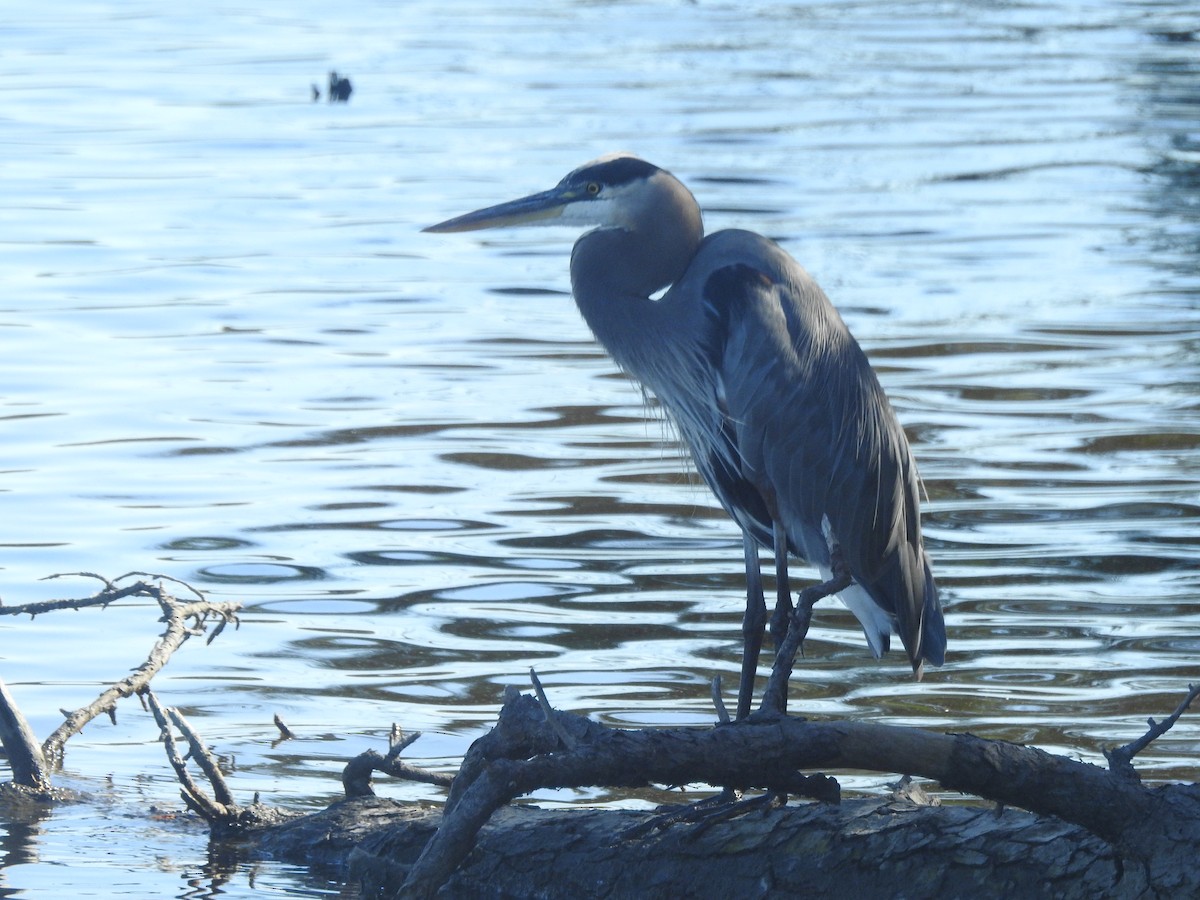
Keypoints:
pixel 616 191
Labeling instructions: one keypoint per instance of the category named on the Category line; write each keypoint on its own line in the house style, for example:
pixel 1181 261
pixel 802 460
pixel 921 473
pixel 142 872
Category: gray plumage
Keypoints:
pixel 782 413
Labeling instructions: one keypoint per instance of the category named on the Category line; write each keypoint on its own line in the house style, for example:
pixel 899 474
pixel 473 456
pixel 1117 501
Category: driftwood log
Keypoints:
pixel 860 848
pixel 1085 831
pixel 1080 830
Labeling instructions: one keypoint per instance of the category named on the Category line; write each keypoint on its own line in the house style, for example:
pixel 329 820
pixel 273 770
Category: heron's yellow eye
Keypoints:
pixel 593 188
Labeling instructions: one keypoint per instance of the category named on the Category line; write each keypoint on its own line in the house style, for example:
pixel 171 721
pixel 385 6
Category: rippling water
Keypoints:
pixel 231 357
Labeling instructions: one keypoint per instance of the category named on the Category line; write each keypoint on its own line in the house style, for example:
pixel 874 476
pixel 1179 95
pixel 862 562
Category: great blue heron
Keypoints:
pixel 783 414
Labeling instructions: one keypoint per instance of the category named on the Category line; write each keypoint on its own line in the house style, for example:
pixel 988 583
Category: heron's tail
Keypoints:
pixel 931 643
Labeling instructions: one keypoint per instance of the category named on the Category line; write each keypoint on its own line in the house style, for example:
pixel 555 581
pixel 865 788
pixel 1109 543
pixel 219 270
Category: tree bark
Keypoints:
pixel 862 848
pixel 25 757
pixel 1083 831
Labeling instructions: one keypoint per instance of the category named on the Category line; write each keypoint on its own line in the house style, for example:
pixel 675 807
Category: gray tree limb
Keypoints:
pixel 31 764
pixel 25 757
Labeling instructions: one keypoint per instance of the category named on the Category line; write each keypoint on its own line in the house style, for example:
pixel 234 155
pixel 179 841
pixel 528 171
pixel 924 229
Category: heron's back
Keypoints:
pixel 801 431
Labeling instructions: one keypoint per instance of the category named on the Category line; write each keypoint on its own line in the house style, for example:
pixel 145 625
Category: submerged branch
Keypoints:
pixel 25 757
pixel 169 720
pixel 356 777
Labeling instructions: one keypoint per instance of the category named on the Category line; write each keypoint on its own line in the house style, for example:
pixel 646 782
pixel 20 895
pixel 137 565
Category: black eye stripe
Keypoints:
pixel 610 173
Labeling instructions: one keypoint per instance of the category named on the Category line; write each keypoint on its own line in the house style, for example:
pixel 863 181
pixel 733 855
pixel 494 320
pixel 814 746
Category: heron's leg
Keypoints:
pixel 752 626
pixel 775 696
pixel 782 616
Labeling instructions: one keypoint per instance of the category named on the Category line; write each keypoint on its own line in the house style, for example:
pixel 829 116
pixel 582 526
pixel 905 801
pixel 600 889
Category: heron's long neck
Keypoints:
pixel 613 275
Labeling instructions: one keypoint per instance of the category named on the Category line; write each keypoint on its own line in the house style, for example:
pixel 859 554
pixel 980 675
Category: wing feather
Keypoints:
pixel 808 429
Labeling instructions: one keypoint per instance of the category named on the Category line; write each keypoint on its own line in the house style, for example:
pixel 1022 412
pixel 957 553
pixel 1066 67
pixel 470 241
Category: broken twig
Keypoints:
pixel 356 776
pixel 1120 759
pixel 567 740
pixel 222 809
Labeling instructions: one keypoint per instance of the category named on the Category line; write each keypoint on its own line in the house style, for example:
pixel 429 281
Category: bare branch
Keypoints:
pixel 159 577
pixel 1120 759
pixel 224 816
pixel 769 753
pixel 193 795
pixel 183 620
pixel 204 758
pixel 108 585
pixel 398 742
pixel 356 777
pixel 110 594
pixel 567 740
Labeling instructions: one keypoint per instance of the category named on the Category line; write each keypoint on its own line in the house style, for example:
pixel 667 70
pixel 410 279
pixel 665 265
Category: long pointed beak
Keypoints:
pixel 536 209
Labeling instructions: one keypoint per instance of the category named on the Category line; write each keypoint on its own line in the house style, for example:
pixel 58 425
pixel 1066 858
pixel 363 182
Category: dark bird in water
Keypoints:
pixel 340 88
pixel 783 415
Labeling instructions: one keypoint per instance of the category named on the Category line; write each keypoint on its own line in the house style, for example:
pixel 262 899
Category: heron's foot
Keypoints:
pixel 738 808
pixel 688 812
pixel 705 813
pixel 769 712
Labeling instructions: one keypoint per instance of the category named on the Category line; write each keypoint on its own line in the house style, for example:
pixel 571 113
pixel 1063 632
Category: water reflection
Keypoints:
pixel 19 839
pixel 1168 77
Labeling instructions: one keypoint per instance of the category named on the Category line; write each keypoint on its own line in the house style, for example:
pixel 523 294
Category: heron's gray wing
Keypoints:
pixel 817 438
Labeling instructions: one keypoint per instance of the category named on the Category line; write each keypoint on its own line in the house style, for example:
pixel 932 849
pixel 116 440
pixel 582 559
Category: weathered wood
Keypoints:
pixel 1145 829
pixel 25 757
pixel 183 620
pixel 862 848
